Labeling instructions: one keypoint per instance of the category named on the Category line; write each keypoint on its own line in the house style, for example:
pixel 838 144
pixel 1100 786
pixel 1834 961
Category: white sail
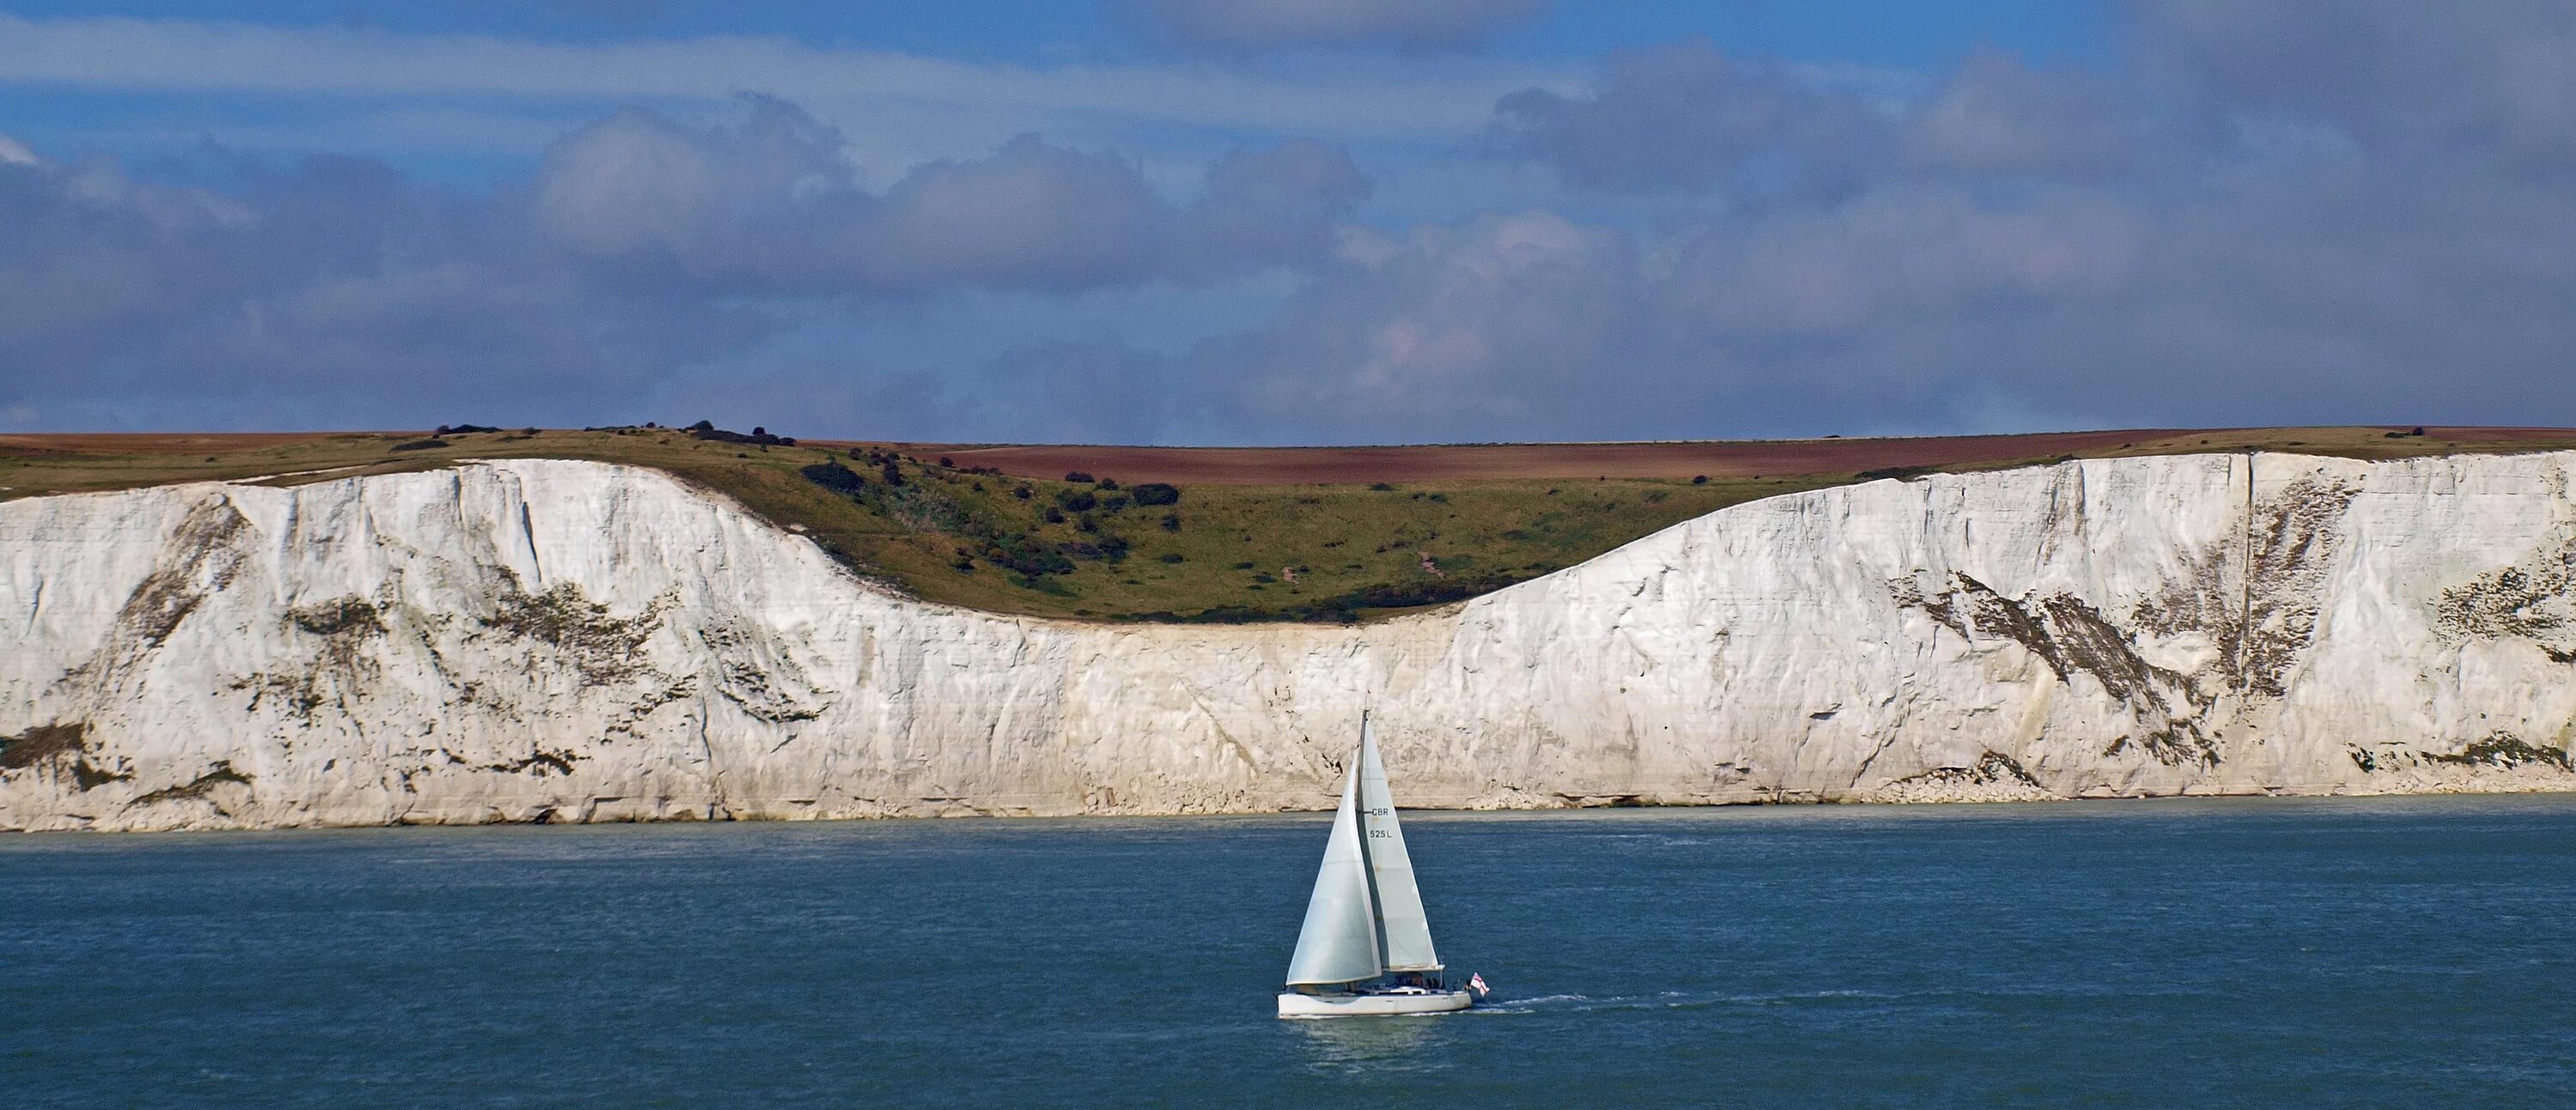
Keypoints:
pixel 1339 941
pixel 1399 902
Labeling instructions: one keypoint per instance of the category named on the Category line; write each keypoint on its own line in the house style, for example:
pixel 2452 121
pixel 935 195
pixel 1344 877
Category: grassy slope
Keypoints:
pixel 1357 550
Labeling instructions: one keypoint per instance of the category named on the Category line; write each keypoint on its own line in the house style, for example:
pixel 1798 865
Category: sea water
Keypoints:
pixel 2400 952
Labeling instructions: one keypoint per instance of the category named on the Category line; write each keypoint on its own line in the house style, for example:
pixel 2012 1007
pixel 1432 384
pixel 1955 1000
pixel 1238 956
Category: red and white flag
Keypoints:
pixel 1478 983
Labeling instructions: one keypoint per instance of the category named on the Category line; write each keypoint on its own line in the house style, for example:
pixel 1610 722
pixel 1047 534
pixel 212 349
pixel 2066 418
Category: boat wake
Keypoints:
pixel 1546 998
pixel 1661 1000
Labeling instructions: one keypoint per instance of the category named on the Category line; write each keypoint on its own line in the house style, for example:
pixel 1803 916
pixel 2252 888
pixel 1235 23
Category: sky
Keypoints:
pixel 1287 221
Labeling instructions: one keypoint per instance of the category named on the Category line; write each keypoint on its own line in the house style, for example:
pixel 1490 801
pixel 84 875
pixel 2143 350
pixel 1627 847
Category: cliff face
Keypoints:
pixel 534 640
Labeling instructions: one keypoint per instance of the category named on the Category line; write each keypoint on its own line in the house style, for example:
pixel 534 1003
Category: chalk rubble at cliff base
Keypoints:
pixel 536 640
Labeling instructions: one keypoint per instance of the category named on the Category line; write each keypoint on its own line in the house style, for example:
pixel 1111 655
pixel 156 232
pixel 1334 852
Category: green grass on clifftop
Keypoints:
pixel 1094 549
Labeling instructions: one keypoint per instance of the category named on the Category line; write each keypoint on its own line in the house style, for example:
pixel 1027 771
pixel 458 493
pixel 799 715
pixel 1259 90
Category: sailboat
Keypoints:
pixel 1366 948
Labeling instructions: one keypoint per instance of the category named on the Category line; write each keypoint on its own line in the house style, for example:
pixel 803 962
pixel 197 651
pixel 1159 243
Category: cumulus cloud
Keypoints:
pixel 2311 296
pixel 1243 25
pixel 1032 214
pixel 1284 202
pixel 1688 117
pixel 1895 254
pixel 2237 242
pixel 1488 324
pixel 340 291
pixel 1997 116
pixel 1533 325
pixel 334 293
pixel 2499 76
pixel 631 180
pixel 773 204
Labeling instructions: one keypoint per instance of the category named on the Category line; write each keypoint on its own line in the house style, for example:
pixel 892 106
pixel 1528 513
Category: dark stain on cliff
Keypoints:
pixel 2527 601
pixel 201 557
pixel 340 619
pixel 2507 751
pixel 762 686
pixel 1992 768
pixel 538 764
pixel 41 743
pixel 65 746
pixel 2257 593
pixel 2072 637
pixel 341 670
pixel 606 649
pixel 2065 632
pixel 196 789
pixel 2090 643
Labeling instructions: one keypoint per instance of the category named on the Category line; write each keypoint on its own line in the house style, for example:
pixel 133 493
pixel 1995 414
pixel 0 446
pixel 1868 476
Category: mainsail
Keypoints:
pixel 1339 941
pixel 1365 918
pixel 1399 902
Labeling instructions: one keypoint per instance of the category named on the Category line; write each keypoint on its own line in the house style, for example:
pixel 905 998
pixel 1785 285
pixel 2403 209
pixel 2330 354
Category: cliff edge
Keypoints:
pixel 535 640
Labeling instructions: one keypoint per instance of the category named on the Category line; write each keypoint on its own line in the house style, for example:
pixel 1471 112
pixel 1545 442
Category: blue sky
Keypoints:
pixel 1228 221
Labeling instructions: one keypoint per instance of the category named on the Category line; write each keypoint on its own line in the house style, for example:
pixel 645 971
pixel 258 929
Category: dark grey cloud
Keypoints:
pixel 2258 227
pixel 1997 117
pixel 2373 222
pixel 1249 25
pixel 771 204
pixel 2498 75
pixel 1050 391
pixel 334 293
pixel 1281 203
pixel 1688 117
pixel 1030 215
pixel 815 396
pixel 339 292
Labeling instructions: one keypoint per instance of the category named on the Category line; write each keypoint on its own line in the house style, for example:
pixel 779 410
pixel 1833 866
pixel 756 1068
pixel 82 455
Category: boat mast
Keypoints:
pixel 1368 858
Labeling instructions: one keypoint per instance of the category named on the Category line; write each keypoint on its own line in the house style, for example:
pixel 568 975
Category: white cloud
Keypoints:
pixel 15 153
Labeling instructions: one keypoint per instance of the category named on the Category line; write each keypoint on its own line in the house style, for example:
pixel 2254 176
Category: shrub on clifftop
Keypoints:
pixel 759 436
pixel 834 476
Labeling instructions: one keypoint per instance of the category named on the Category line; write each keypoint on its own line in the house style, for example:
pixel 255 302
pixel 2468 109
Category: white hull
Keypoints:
pixel 1389 1004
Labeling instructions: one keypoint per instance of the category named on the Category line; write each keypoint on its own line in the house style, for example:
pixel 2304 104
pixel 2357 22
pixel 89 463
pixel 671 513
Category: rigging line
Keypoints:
pixel 2245 583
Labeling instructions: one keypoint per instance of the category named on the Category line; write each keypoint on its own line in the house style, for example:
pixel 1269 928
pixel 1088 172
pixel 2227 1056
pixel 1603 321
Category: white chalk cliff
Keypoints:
pixel 567 641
